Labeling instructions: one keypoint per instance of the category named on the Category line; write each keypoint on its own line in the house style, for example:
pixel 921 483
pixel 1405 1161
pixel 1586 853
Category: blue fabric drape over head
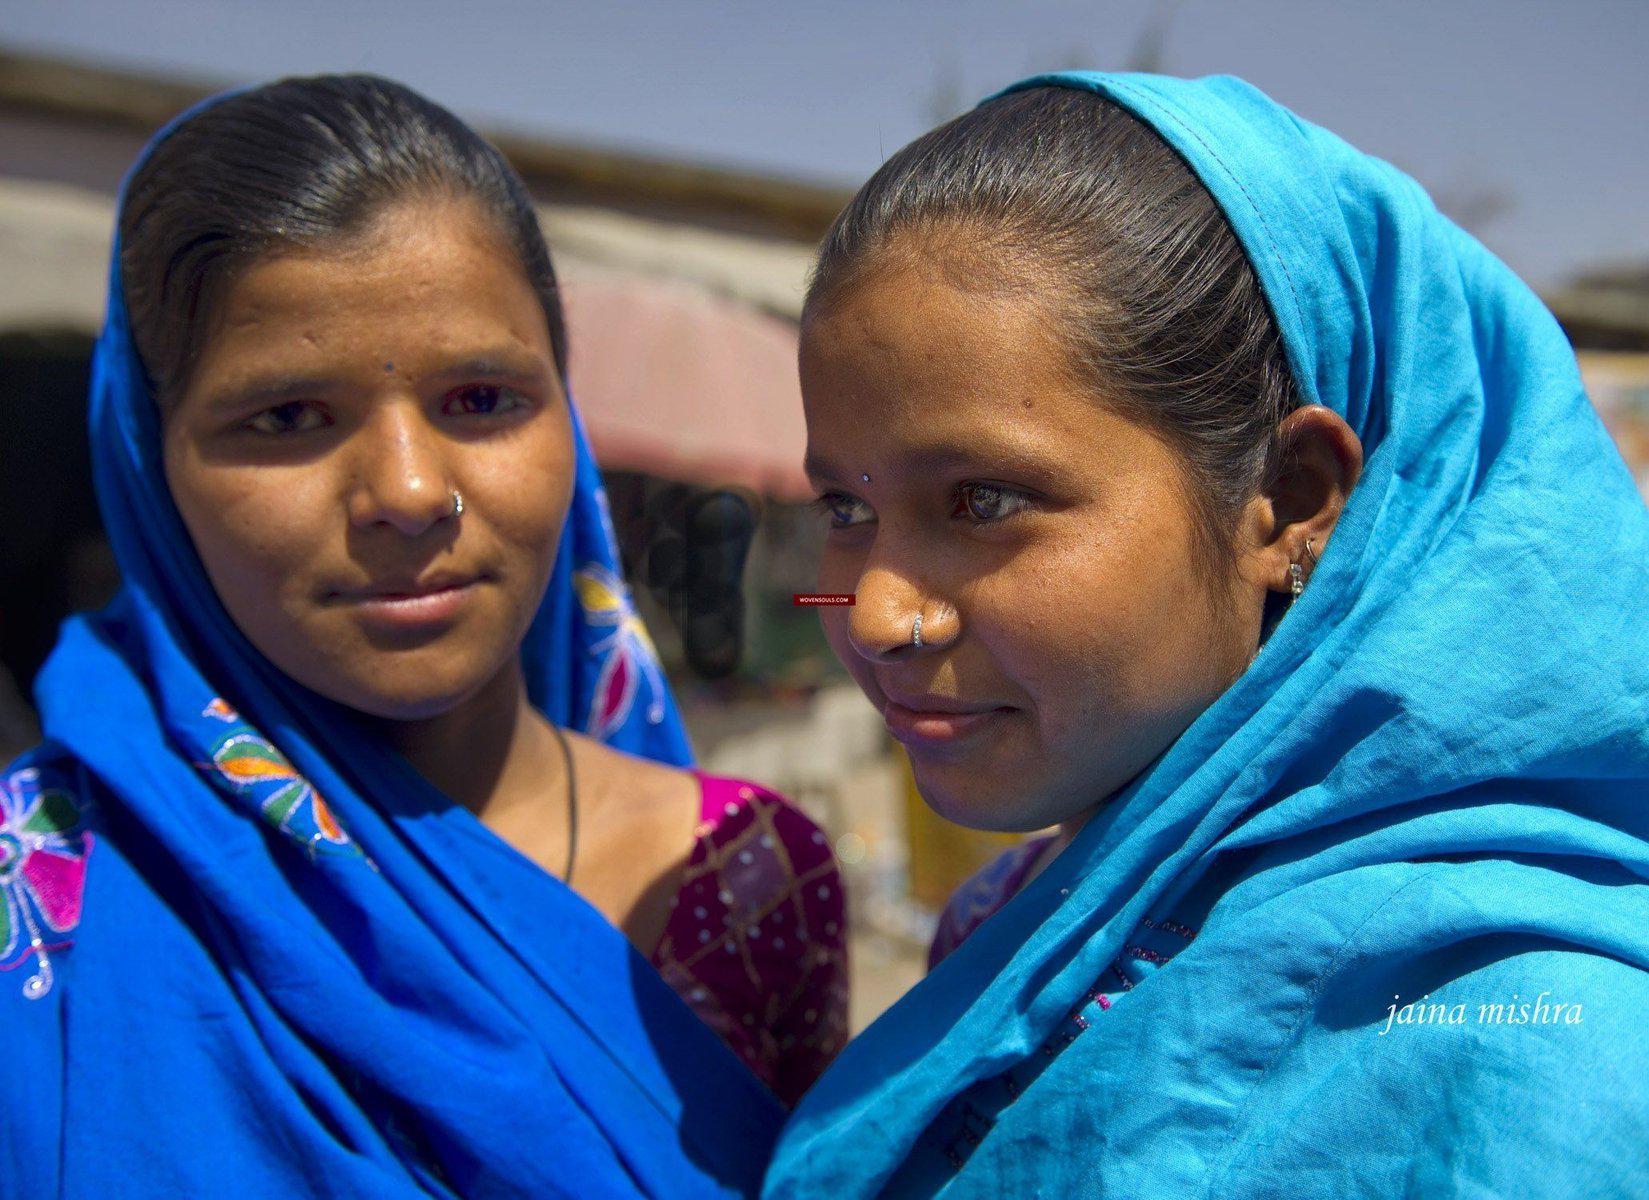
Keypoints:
pixel 1431 786
pixel 298 970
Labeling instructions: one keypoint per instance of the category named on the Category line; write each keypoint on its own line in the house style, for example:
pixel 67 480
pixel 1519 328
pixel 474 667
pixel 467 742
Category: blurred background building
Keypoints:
pixel 683 286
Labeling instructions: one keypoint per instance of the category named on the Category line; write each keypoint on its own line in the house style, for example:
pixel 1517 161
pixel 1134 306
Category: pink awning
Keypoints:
pixel 676 382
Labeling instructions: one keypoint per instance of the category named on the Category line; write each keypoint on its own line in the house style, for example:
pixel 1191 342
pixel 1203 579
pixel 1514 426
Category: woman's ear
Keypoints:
pixel 1321 461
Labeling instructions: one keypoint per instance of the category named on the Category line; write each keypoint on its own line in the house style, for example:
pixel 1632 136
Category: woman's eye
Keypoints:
pixel 486 399
pixel 294 416
pixel 988 501
pixel 843 510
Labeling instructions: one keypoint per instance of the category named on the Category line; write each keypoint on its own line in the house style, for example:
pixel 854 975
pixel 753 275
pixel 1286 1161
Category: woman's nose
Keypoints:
pixel 402 475
pixel 893 615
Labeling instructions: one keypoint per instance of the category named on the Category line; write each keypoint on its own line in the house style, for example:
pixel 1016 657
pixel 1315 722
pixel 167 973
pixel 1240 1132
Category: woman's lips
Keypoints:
pixel 414 613
pixel 917 726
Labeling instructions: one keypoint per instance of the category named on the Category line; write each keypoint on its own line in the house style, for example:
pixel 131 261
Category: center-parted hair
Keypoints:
pixel 299 164
pixel 1062 195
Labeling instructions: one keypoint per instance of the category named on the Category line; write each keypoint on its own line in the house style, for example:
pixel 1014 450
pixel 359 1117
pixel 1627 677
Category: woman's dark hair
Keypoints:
pixel 298 163
pixel 1062 195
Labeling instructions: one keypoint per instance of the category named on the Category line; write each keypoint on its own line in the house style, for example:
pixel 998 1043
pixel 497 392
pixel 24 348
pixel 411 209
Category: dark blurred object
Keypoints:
pixel 719 528
pixel 778 645
pixel 693 564
pixel 18 728
pixel 53 556
pixel 1606 309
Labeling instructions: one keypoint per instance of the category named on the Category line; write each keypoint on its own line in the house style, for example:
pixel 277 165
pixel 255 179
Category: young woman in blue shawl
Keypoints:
pixel 1210 496
pixel 288 891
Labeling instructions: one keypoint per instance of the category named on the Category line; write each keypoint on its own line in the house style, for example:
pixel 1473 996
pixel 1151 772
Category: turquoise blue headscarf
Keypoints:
pixel 1431 786
pixel 249 951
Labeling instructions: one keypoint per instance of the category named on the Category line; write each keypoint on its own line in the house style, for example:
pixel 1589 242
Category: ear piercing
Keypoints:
pixel 865 478
pixel 457 503
pixel 916 631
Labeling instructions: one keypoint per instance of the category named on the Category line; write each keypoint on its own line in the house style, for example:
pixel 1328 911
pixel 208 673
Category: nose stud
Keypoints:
pixel 457 503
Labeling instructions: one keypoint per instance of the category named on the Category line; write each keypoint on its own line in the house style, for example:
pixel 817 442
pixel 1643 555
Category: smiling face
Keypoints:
pixel 341 397
pixel 1069 632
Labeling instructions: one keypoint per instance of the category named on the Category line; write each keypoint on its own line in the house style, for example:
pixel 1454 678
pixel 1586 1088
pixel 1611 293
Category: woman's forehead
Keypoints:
pixel 910 323
pixel 443 293
pixel 905 358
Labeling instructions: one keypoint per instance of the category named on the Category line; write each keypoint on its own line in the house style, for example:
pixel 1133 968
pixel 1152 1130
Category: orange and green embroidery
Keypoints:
pixel 287 801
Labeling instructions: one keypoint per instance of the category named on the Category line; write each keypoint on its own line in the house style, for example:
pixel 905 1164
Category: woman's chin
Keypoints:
pixel 406 691
pixel 976 801
pixel 409 708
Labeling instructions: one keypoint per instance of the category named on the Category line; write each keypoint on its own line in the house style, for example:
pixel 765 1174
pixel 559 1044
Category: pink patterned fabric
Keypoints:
pixel 987 890
pixel 43 847
pixel 58 880
pixel 757 938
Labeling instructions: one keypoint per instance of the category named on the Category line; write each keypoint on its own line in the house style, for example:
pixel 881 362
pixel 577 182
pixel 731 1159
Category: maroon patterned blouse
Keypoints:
pixel 757 937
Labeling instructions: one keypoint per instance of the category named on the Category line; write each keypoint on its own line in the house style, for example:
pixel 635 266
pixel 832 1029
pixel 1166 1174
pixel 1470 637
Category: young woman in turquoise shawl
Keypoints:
pixel 1209 495
pixel 287 898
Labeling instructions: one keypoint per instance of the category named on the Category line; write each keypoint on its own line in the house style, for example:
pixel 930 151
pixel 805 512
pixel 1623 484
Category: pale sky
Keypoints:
pixel 1532 115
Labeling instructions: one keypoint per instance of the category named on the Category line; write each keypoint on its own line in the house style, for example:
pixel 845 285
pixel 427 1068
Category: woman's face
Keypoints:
pixel 1069 634
pixel 341 397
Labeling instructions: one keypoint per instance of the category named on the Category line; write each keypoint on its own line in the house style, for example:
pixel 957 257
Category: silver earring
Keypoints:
pixel 916 631
pixel 457 503
pixel 1296 577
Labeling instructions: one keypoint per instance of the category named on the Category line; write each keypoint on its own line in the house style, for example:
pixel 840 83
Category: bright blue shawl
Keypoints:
pixel 296 969
pixel 1432 785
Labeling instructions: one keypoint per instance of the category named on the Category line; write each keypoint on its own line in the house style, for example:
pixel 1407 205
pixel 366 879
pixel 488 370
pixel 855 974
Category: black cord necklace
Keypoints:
pixel 572 803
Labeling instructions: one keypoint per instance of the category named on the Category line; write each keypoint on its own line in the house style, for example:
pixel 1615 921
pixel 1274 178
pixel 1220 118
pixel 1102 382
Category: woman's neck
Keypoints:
pixel 1064 834
pixel 489 752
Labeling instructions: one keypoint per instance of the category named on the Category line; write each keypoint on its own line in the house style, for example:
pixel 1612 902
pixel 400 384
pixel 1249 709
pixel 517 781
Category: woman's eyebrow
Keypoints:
pixel 815 466
pixel 277 389
pixel 941 457
pixel 271 390
pixel 494 364
pixel 1001 449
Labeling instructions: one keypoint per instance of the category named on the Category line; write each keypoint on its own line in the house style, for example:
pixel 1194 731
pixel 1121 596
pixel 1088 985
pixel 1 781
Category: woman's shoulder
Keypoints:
pixel 724 798
pixel 640 809
pixel 602 765
pixel 743 823
pixel 761 861
pixel 80 894
pixel 1530 1060
pixel 757 942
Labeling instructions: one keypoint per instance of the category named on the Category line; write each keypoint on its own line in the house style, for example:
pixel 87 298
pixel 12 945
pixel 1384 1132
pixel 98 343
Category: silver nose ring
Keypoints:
pixel 916 631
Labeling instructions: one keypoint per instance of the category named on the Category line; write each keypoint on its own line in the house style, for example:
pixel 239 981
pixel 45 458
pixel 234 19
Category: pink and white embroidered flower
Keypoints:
pixel 43 849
